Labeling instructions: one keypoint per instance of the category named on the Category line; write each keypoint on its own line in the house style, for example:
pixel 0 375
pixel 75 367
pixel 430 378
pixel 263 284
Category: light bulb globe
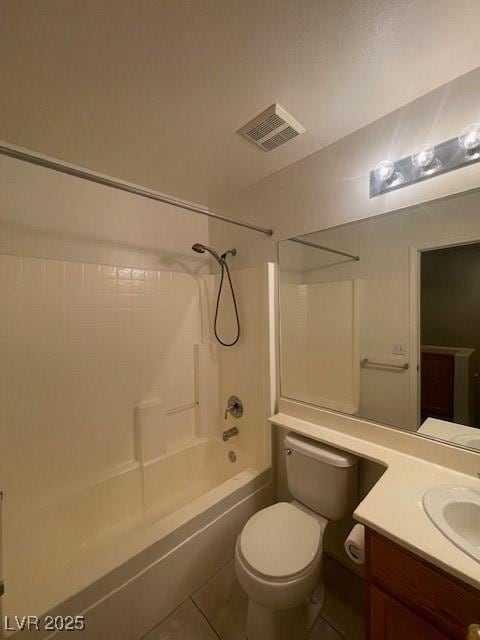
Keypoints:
pixel 424 156
pixel 384 170
pixel 469 139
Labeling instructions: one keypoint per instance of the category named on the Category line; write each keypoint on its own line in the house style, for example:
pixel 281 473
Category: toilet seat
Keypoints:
pixel 281 542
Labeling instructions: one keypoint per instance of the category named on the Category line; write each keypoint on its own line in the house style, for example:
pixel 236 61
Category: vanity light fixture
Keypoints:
pixel 426 162
pixel 469 139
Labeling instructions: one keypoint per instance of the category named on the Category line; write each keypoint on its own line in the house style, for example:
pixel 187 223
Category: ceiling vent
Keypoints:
pixel 272 128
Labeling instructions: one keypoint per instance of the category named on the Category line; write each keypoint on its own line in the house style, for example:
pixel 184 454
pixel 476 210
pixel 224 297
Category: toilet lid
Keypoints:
pixel 281 540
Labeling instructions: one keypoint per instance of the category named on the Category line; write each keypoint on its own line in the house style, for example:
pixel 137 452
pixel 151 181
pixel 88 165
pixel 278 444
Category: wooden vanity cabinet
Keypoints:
pixel 410 599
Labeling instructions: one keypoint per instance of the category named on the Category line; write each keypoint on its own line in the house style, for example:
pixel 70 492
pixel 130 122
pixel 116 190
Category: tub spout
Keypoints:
pixel 229 433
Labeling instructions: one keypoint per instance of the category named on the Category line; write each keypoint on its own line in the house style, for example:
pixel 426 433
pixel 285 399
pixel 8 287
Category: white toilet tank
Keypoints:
pixel 321 477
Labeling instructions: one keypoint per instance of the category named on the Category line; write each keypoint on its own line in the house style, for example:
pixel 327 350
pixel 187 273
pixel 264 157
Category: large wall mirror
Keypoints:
pixel 380 319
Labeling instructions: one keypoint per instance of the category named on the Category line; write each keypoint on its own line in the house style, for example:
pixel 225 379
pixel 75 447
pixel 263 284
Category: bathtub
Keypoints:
pixel 196 468
pixel 127 576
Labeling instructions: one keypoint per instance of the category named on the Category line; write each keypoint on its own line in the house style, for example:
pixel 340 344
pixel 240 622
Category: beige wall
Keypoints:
pixel 246 369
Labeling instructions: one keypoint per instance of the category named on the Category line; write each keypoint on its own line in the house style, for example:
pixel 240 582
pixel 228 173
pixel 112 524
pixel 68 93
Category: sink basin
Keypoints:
pixel 456 512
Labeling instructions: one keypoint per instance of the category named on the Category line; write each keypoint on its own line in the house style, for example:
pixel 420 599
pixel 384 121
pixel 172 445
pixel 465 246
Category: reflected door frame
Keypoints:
pixel 415 400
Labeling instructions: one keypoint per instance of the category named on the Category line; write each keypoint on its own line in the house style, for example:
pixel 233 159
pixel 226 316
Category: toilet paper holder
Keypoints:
pixel 355 544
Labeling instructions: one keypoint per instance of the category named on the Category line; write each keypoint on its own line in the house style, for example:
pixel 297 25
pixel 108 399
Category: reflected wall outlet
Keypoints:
pixel 399 349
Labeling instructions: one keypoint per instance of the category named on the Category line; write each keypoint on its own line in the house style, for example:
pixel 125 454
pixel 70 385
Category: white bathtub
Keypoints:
pixel 127 576
pixel 178 477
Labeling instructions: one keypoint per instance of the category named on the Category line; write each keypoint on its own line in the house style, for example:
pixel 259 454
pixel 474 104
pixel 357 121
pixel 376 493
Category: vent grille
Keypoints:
pixel 272 128
pixel 280 138
pixel 264 128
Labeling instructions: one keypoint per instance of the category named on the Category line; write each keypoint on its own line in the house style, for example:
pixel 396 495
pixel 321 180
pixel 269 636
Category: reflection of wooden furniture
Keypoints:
pixel 438 378
pixel 462 405
pixel 410 599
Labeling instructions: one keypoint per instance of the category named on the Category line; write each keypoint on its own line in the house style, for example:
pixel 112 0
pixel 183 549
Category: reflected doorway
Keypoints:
pixel 450 334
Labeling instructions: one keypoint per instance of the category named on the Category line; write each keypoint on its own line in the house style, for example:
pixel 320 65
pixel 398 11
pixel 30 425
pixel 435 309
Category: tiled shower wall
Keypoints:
pixel 81 345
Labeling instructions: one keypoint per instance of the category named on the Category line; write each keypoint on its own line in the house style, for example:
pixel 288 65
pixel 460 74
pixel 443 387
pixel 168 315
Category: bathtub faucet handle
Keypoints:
pixel 234 407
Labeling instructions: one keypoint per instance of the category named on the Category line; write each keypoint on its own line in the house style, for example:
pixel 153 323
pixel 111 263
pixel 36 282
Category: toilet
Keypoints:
pixel 278 554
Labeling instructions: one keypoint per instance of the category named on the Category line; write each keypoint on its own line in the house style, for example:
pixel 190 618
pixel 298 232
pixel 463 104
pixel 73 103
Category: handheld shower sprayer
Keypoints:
pixel 201 248
pixel 222 261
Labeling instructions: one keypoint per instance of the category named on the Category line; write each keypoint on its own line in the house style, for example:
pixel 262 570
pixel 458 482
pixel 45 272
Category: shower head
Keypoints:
pixel 201 248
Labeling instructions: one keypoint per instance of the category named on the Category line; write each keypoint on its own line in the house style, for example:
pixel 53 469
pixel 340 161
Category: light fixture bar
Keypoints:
pixel 143 192
pixel 448 156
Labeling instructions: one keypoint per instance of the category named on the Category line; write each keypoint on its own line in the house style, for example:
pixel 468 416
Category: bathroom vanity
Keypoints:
pixel 410 598
pixel 419 585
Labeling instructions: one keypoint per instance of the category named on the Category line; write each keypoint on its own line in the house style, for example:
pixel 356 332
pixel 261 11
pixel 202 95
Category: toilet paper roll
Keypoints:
pixel 355 544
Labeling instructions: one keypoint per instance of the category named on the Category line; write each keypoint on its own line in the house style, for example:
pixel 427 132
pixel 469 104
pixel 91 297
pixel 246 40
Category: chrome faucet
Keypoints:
pixel 234 407
pixel 229 433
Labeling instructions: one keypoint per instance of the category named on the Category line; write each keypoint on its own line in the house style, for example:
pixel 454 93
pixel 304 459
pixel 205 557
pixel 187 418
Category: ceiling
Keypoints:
pixel 153 91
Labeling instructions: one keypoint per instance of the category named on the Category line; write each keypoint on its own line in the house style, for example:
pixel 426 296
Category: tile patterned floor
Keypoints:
pixel 218 610
pixel 344 602
pixel 185 623
pixel 224 604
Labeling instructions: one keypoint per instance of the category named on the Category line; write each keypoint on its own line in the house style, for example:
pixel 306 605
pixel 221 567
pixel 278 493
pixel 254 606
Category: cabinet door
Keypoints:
pixel 390 620
pixel 445 602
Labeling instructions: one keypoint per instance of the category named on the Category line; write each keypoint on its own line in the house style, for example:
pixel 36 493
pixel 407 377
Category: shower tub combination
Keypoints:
pixel 125 544
pixel 128 576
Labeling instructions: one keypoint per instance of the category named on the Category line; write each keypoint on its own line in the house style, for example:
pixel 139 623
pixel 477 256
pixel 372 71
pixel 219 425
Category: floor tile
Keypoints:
pixel 344 604
pixel 323 631
pixel 224 604
pixel 185 623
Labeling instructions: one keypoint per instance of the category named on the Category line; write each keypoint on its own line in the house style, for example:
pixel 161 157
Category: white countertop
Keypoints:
pixel 394 505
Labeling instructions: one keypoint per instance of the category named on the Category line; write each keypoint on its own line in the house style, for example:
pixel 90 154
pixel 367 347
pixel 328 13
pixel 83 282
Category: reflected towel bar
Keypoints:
pixel 366 362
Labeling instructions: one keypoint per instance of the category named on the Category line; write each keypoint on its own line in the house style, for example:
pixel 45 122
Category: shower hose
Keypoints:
pixel 224 266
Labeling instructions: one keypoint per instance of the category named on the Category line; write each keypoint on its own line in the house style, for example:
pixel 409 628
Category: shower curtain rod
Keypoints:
pixel 320 246
pixel 122 186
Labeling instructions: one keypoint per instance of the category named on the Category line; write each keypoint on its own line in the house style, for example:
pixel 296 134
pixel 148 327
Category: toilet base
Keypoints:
pixel 264 623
